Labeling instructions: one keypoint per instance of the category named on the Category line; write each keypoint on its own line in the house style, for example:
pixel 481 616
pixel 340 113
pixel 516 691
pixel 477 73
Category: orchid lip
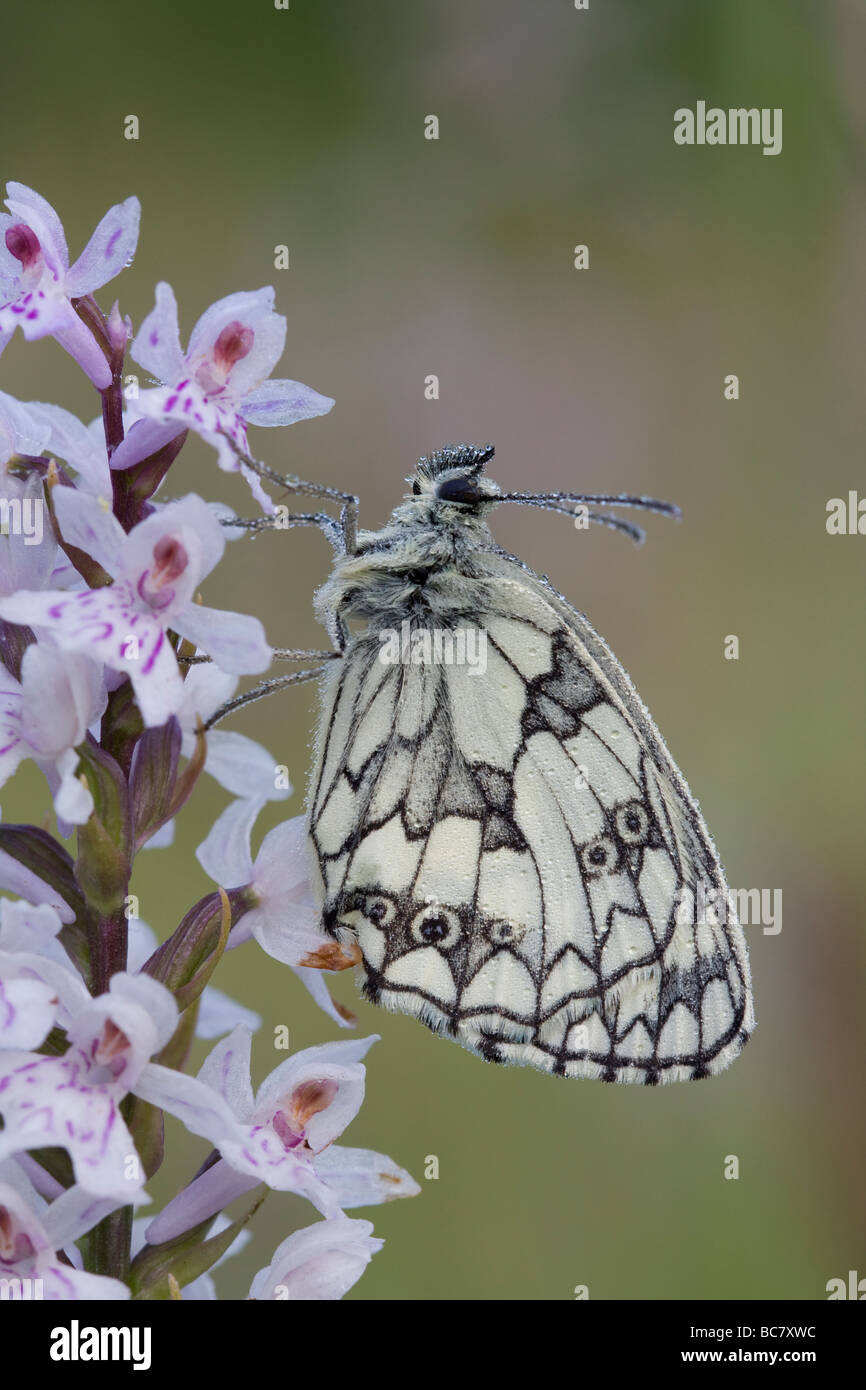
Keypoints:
pixel 284 1132
pixel 234 343
pixel 112 1043
pixel 23 243
pixel 153 594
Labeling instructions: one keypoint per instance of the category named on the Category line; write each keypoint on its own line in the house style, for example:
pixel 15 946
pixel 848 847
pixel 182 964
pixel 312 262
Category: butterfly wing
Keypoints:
pixel 521 861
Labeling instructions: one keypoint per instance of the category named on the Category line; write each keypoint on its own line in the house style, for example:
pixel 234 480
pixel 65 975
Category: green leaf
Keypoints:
pixel 152 778
pixel 185 963
pixel 177 1049
pixel 104 860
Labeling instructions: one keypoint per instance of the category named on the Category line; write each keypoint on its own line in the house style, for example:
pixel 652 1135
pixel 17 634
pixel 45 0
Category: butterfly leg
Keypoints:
pixel 265 688
pixel 284 521
pixel 346 528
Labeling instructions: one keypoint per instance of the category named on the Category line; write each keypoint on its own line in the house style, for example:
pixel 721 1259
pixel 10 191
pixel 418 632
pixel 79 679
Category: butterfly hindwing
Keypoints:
pixel 518 856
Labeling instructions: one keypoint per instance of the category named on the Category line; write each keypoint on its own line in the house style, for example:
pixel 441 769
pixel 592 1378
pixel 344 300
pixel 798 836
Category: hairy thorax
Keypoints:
pixel 416 566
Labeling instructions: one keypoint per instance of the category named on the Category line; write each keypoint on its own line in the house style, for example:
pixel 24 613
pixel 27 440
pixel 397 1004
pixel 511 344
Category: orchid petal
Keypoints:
pixel 79 342
pixel 227 1071
pixel 197 1106
pixel 111 247
pixel 236 641
pixel 281 402
pixel 314 982
pixel 239 764
pixel 27 1012
pixel 225 854
pixel 44 1107
pixel 362 1178
pixel 218 1014
pixel 157 344
pixel 90 527
pixel 145 438
pixel 255 310
pixel 321 1262
pixel 214 1189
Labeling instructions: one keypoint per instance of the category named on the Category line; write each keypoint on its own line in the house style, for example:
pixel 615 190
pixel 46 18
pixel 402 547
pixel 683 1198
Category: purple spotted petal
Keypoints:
pixel 106 625
pixel 46 1102
pixel 37 313
pixel 187 406
pixel 227 1070
pixel 156 346
pixel 199 1107
pixel 31 1241
pixel 262 1156
pixel 111 247
pixel 27 1011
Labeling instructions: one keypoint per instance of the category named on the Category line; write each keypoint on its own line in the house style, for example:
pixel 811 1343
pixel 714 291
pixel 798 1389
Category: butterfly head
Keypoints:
pixel 455 475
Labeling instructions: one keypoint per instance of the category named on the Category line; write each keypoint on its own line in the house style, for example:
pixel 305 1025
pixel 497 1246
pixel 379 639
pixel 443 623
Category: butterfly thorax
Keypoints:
pixel 423 565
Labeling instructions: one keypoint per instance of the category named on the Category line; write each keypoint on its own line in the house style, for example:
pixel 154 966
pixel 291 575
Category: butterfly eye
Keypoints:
pixel 436 926
pixel 416 488
pixel 632 823
pixel 380 911
pixel 461 489
pixel 600 857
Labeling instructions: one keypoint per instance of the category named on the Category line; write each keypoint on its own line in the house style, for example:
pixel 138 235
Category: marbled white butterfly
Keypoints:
pixel 508 840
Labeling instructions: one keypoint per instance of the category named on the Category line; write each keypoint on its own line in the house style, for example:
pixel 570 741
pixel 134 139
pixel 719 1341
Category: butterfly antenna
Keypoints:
pixel 614 523
pixel 648 504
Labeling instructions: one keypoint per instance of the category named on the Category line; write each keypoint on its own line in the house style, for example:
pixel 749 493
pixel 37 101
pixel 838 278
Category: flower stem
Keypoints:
pixel 108 943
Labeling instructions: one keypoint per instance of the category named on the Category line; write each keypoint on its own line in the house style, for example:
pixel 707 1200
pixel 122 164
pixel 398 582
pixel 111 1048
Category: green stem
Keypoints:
pixel 107 1247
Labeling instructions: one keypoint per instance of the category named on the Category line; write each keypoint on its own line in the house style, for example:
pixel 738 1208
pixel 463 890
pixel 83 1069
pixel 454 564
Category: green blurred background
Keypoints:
pixel 409 257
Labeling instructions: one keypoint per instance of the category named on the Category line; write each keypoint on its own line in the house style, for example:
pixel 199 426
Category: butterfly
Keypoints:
pixel 494 819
